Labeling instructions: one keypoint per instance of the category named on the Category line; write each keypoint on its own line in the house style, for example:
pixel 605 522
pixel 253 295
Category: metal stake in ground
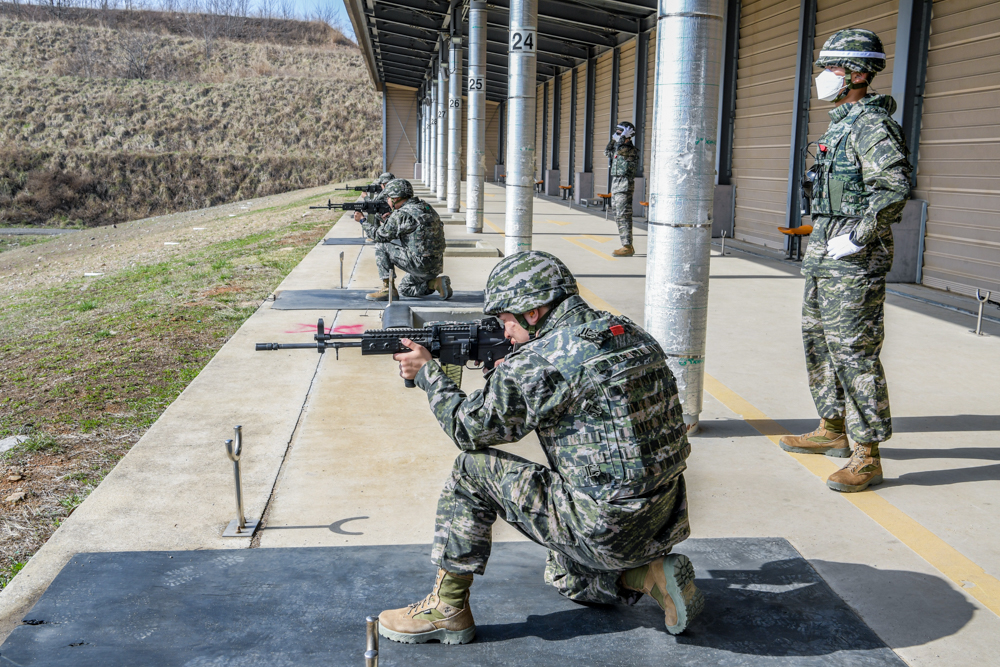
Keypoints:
pixel 341 269
pixel 238 527
pixel 983 299
pixel 371 645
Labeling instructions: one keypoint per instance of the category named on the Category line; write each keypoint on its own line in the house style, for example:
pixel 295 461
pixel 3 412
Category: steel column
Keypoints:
pixel 727 94
pixel 685 103
pixel 913 30
pixel 521 69
pixel 476 152
pixel 588 117
pixel 545 128
pixel 616 60
pixel 455 80
pixel 572 128
pixel 556 119
pixel 432 139
pixel 442 128
pixel 800 113
pixel 639 96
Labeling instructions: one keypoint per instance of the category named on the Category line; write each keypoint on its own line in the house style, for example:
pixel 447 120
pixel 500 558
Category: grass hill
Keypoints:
pixel 111 116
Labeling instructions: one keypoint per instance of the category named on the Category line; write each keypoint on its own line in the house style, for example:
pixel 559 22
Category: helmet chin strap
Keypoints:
pixel 849 84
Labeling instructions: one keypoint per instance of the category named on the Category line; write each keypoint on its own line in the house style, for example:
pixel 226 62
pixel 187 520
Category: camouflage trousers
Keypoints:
pixel 622 204
pixel 842 331
pixel 418 274
pixel 585 559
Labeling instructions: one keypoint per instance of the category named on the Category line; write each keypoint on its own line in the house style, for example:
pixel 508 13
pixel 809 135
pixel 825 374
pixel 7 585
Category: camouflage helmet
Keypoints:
pixel 855 50
pixel 398 188
pixel 625 123
pixel 385 178
pixel 526 280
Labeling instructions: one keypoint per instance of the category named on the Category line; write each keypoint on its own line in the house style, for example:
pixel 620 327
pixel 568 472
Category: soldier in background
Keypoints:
pixel 420 248
pixel 382 180
pixel 611 504
pixel 862 183
pixel 624 163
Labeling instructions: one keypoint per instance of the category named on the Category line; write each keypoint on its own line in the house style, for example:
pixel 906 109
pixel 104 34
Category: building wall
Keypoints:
pixel 765 86
pixel 959 155
pixel 602 121
pixel 400 148
pixel 565 139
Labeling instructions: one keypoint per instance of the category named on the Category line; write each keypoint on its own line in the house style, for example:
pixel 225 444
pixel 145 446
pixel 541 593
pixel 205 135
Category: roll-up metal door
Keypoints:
pixel 765 85
pixel 647 132
pixel 565 106
pixel 400 129
pixel 602 121
pixel 626 82
pixel 539 120
pixel 581 116
pixel 959 157
pixel 492 137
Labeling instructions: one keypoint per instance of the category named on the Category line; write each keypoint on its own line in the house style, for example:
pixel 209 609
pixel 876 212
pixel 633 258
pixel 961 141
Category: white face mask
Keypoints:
pixel 828 85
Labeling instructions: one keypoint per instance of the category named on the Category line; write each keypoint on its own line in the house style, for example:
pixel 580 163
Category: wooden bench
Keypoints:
pixel 604 204
pixel 538 186
pixel 567 190
pixel 795 235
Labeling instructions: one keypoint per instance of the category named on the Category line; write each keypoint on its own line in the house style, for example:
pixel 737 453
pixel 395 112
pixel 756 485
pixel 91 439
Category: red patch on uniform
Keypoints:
pixel 822 148
pixel 617 330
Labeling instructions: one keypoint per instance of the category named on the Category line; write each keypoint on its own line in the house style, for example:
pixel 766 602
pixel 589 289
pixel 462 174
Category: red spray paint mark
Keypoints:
pixel 349 329
pixel 342 329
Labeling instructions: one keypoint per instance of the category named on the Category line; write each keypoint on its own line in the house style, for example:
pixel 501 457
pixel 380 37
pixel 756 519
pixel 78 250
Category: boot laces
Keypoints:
pixel 422 605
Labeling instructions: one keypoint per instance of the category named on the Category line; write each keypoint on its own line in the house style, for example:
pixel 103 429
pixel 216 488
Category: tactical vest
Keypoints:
pixel 839 188
pixel 624 435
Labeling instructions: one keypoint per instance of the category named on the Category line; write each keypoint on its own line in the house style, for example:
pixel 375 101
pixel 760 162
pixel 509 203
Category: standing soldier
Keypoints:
pixel 861 185
pixel 610 505
pixel 420 251
pixel 624 163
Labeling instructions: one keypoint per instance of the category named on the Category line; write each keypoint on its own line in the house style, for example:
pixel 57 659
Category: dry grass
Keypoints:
pixel 84 145
pixel 88 364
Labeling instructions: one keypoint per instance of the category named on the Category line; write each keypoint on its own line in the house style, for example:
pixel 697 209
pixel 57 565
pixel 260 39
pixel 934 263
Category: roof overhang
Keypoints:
pixel 400 39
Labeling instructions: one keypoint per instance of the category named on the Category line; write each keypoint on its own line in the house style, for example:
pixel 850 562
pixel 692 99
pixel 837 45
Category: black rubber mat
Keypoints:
pixel 284 607
pixel 346 241
pixel 354 299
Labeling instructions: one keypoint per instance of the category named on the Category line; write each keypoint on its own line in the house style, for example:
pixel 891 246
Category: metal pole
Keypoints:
pixel 342 267
pixel 442 129
pixel 476 152
pixel 371 641
pixel 432 139
pixel 682 180
pixel 521 70
pixel 455 125
pixel 982 299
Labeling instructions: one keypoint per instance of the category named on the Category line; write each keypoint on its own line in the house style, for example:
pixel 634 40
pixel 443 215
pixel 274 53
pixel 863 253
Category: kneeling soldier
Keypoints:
pixel 611 505
pixel 420 251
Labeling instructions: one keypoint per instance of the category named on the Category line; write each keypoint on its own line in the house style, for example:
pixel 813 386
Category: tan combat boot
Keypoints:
pixel 442 285
pixel 669 581
pixel 383 294
pixel 863 470
pixel 624 251
pixel 444 615
pixel 828 439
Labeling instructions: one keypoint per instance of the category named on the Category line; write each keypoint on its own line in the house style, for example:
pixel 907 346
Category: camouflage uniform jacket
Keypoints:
pixel 624 163
pixel 599 394
pixel 862 183
pixel 419 230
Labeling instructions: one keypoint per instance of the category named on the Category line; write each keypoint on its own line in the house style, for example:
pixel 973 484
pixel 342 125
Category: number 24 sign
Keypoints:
pixel 523 41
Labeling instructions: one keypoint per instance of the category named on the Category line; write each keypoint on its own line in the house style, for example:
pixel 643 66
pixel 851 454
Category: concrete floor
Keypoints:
pixel 339 453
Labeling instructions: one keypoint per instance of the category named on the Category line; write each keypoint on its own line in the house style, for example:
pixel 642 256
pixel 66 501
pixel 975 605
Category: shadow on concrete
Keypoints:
pixel 924 607
pixel 945 477
pixel 741 428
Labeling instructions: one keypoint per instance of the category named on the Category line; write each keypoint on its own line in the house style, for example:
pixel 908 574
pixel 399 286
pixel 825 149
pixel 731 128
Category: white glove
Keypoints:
pixel 841 246
pixel 616 136
pixel 628 132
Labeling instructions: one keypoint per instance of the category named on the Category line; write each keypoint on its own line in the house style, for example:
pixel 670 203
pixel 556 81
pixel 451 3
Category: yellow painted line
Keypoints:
pixel 599 239
pixel 948 560
pixel 561 223
pixel 596 301
pixel 494 227
pixel 577 242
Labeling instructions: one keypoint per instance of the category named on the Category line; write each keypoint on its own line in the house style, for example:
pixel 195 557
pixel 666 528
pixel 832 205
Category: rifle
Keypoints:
pixel 453 343
pixel 367 206
pixel 372 189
